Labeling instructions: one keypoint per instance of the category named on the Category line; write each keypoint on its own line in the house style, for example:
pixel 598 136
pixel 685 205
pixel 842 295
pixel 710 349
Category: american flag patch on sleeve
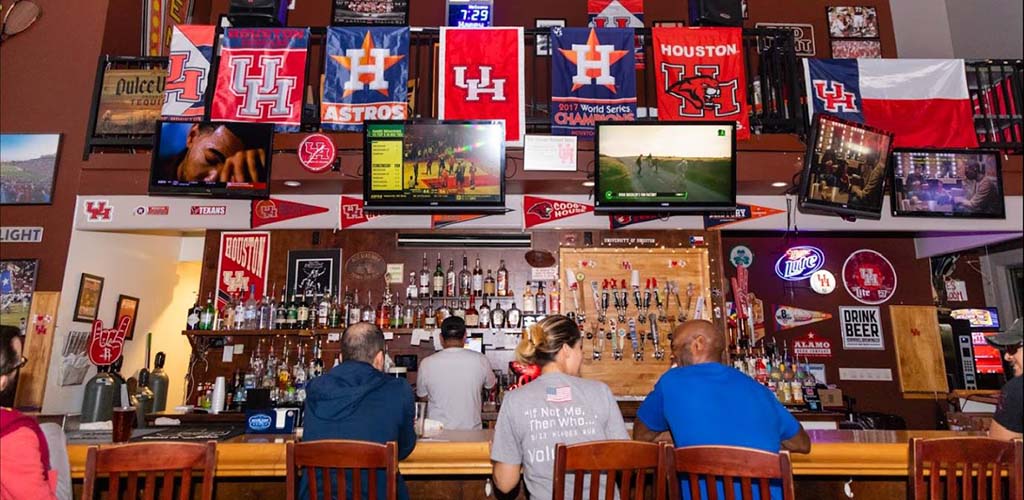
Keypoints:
pixel 559 394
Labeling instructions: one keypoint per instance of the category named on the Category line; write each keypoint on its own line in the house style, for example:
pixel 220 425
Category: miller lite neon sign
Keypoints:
pixel 799 263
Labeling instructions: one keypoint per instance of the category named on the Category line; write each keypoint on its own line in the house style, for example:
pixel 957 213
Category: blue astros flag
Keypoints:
pixel 592 78
pixel 366 77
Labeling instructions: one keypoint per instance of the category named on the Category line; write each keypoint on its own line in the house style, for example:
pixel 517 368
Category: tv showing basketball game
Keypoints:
pixel 947 183
pixel 434 166
pixel 664 166
pixel 845 168
pixel 222 159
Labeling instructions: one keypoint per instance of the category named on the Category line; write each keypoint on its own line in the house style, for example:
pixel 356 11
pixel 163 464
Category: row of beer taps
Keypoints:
pixel 638 323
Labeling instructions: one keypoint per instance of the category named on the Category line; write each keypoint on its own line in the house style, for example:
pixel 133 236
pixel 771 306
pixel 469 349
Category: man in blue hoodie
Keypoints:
pixel 356 400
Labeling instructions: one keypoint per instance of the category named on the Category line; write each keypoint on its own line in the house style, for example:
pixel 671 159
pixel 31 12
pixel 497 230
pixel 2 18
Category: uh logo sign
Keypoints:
pixel 474 87
pixel 262 88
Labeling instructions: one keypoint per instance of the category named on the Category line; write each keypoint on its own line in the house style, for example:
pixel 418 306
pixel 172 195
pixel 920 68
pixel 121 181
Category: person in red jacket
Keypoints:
pixel 24 456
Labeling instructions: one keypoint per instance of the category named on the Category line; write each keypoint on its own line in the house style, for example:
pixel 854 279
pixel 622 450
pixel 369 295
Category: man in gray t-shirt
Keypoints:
pixel 554 408
pixel 450 380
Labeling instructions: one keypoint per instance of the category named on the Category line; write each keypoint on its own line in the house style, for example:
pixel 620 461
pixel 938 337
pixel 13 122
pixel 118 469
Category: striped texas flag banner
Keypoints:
pixel 923 101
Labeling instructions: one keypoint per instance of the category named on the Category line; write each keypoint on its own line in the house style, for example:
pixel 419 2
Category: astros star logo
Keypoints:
pixel 366 66
pixel 593 63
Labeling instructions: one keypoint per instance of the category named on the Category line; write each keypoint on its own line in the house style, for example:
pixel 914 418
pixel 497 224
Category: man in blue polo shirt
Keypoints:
pixel 705 403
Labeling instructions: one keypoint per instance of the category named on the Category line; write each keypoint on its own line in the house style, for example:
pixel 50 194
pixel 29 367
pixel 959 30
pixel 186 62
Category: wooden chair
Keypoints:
pixel 728 463
pixel 628 462
pixel 342 456
pixel 971 467
pixel 152 461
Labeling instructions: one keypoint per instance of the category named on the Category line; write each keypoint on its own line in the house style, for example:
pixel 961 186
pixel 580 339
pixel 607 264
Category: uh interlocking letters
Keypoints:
pixel 261 76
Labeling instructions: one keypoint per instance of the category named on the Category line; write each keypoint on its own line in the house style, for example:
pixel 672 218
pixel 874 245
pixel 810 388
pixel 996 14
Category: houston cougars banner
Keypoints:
pixel 592 79
pixel 700 75
pixel 619 14
pixel 262 76
pixel 243 262
pixel 482 77
pixel 366 77
pixel 275 210
pixel 537 211
pixel 188 72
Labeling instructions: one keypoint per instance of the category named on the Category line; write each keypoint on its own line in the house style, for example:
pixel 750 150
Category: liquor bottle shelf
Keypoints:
pixel 321 331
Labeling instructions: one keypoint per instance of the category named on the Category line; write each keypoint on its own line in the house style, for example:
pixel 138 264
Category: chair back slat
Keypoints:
pixel 609 484
pixel 727 464
pixel 966 468
pixel 338 460
pixel 608 460
pixel 149 462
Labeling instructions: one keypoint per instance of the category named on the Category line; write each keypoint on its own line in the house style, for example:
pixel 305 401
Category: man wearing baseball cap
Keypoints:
pixel 1008 421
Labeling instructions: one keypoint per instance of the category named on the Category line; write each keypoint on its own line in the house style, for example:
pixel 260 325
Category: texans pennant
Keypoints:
pixel 275 210
pixel 188 72
pixel 366 78
pixel 537 211
pixel 787 317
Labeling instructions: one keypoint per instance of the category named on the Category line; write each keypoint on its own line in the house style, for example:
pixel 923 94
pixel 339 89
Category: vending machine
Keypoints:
pixel 988 363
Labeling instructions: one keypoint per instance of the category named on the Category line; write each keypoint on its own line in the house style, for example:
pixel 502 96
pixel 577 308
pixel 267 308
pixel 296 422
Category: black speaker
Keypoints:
pixel 716 13
pixel 255 13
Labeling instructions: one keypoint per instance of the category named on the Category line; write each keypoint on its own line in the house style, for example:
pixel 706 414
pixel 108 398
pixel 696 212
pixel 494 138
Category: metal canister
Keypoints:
pixel 98 402
pixel 159 382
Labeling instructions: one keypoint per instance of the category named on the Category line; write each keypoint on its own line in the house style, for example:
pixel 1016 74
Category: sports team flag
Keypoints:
pixel 366 77
pixel 537 211
pixel 701 76
pixel 924 102
pixel 243 262
pixel 592 78
pixel 261 77
pixel 619 14
pixel 188 72
pixel 482 77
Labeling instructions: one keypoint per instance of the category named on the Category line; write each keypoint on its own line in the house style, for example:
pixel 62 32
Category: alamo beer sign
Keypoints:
pixel 130 101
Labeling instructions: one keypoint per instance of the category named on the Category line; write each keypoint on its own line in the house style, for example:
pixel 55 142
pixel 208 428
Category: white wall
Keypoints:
pixel 985 29
pixel 922 28
pixel 139 265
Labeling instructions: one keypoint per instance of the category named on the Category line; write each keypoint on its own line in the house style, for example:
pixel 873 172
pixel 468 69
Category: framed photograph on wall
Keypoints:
pixel 28 168
pixel 852 22
pixel 314 271
pixel 127 306
pixel 856 49
pixel 543 44
pixel 17 284
pixel 90 291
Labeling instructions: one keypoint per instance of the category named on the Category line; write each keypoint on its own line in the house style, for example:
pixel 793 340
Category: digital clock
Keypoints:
pixel 470 13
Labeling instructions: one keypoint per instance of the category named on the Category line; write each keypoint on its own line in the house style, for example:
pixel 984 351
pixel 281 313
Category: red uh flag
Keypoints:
pixel 262 76
pixel 701 75
pixel 482 77
pixel 105 346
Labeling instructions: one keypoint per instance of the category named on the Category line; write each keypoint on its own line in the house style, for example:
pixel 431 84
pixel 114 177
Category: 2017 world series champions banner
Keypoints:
pixel 700 75
pixel 592 78
pixel 262 76
pixel 188 72
pixel 366 77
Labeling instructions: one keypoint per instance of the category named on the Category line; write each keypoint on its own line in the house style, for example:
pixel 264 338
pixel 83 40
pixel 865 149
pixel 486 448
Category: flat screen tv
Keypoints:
pixel 664 167
pixel 845 168
pixel 434 166
pixel 220 159
pixel 947 183
pixel 980 318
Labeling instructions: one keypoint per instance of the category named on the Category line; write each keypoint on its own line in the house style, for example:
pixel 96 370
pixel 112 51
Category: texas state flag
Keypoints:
pixel 923 101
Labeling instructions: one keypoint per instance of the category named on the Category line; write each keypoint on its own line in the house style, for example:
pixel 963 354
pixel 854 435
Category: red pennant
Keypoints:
pixel 352 213
pixel 537 211
pixel 275 210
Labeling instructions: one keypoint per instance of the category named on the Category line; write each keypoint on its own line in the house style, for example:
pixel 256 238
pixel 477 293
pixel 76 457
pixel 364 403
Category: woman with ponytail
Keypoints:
pixel 557 407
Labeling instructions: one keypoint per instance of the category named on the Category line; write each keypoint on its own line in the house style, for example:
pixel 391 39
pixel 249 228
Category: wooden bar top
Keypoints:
pixel 842 452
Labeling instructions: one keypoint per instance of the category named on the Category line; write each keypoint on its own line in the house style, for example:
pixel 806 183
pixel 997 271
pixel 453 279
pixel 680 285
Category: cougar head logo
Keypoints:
pixel 698 91
pixel 542 210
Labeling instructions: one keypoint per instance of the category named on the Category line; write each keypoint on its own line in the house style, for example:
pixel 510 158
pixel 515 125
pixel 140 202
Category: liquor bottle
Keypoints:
pixel 324 311
pixel 383 314
pixel 443 312
pixel 459 311
pixel 529 300
pixel 334 319
pixel 195 314
pixel 484 314
pixel 541 300
pixel 408 315
pixel 281 314
pixel 239 312
pixel 465 279
pixel 472 316
pixel 424 288
pixel 206 317
pixel 555 299
pixel 514 316
pixel 352 310
pixel 265 314
pixel 293 314
pixel 478 278
pixel 302 317
pixel 411 290
pixel 227 313
pixel 368 313
pixel 451 280
pixel 251 310
pixel 437 285
pixel 429 315
pixel 498 316
pixel 502 280
pixel 489 285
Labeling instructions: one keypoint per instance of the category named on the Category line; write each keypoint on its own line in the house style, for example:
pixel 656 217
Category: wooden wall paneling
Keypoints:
pixel 38 345
pixel 919 359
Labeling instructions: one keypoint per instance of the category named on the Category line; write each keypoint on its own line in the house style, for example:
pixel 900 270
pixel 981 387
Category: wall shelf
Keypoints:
pixel 320 332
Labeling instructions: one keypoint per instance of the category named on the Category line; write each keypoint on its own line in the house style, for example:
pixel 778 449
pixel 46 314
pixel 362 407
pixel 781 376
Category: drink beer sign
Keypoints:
pixel 799 263
pixel 106 345
pixel 244 261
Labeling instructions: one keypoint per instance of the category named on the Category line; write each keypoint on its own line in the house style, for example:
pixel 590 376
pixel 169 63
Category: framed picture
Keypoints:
pixel 87 305
pixel 669 24
pixel 314 271
pixel 543 45
pixel 28 168
pixel 17 284
pixel 127 306
pixel 852 22
pixel 856 49
pixel 372 13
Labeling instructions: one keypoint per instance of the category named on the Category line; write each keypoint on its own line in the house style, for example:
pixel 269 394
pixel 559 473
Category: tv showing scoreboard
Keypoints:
pixel 664 167
pixel 947 183
pixel 434 166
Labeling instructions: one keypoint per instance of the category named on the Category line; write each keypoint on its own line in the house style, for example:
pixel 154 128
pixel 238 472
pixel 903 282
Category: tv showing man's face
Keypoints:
pixel 213 154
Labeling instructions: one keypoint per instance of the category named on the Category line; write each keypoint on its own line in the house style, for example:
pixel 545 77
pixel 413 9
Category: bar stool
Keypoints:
pixel 624 462
pixel 348 461
pixel 728 463
pixel 971 467
pixel 164 463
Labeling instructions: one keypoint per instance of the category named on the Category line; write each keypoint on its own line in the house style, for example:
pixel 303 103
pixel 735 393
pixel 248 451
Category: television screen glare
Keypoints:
pixel 214 158
pixel 947 183
pixel 665 167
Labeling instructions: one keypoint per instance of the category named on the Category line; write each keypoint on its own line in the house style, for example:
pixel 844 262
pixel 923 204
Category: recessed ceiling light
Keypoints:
pixel 779 184
pixel 588 184
pixel 292 184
